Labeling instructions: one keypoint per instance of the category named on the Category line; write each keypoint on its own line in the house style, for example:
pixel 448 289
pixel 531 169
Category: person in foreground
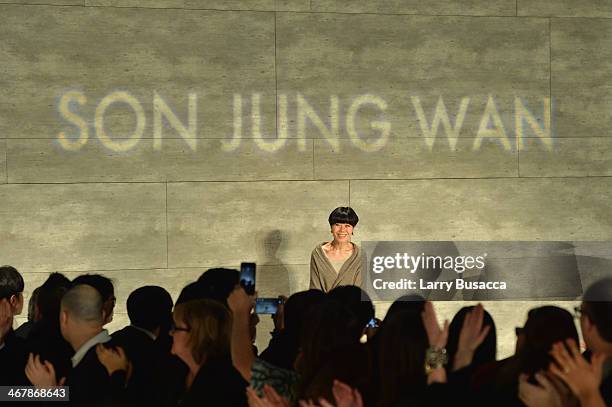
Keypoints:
pixel 98 375
pixel 588 376
pixel 201 339
pixel 337 262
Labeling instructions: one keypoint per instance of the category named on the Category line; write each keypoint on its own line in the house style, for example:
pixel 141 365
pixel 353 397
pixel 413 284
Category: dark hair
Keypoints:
pixel 32 305
pixel 401 356
pixel 297 308
pixel 409 302
pixel 11 282
pixel 284 346
pixel 343 214
pixel 330 326
pixel 192 291
pixel 545 326
pixel 351 365
pixel 487 350
pixel 102 284
pixel 218 283
pixel 597 305
pixel 149 307
pixel 50 296
pixel 356 300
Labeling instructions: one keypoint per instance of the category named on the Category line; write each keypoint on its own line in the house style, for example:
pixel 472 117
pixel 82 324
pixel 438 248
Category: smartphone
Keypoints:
pixel 372 324
pixel 247 277
pixel 267 305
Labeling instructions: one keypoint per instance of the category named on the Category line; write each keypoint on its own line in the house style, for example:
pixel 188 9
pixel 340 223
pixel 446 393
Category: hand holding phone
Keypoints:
pixel 267 305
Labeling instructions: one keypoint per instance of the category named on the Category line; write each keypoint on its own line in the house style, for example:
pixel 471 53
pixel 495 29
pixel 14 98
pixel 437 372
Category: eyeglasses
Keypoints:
pixel 174 328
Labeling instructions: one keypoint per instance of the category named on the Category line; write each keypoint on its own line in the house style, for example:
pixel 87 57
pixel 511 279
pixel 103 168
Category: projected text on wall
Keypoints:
pixel 443 125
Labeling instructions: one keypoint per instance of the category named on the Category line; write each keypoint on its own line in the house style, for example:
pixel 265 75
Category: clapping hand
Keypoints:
pixel 344 395
pixel 472 334
pixel 270 398
pixel 543 394
pixel 113 359
pixel 582 377
pixel 41 374
pixel 437 336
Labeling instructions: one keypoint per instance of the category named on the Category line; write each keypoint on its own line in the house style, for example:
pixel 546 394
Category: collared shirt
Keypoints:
pixel 147 332
pixel 102 337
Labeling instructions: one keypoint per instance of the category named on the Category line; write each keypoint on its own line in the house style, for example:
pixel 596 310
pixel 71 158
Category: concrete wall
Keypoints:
pixel 147 213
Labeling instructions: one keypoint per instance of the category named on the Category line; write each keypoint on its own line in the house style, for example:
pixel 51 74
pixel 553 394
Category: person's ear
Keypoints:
pixel 63 317
pixel 16 302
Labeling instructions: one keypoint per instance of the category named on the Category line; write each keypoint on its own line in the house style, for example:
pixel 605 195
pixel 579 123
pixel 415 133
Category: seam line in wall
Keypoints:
pixel 299 12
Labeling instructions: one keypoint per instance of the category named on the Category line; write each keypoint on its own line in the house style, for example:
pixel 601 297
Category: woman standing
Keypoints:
pixel 338 262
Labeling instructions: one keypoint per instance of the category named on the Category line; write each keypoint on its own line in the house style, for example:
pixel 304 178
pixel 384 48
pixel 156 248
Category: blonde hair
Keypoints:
pixel 210 327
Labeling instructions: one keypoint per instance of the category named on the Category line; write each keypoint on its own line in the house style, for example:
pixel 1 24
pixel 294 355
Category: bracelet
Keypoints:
pixel 435 358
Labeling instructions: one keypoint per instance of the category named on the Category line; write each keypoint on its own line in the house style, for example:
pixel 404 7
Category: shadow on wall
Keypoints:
pixel 272 275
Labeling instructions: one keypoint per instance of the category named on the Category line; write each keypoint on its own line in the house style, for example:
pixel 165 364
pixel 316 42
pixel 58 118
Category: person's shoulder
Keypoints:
pixel 319 248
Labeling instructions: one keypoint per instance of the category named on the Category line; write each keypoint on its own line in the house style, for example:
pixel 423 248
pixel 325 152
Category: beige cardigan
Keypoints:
pixel 323 276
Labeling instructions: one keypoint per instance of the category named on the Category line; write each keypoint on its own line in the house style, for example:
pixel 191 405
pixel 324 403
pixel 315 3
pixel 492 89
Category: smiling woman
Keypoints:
pixel 338 262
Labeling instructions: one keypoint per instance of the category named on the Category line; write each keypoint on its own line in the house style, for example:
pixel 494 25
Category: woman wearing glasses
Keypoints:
pixel 201 339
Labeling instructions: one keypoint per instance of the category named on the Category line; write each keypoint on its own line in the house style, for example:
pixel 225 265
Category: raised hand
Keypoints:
pixel 113 359
pixel 582 377
pixel 41 374
pixel 270 398
pixel 279 317
pixel 437 336
pixel 543 394
pixel 240 302
pixel 344 395
pixel 471 336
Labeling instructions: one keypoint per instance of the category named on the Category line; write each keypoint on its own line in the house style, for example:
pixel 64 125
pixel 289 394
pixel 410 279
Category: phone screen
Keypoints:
pixel 247 277
pixel 372 324
pixel 266 305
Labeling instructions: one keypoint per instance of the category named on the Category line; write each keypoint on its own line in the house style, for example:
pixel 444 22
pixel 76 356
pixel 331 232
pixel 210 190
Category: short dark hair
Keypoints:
pixel 343 214
pixel 356 300
pixel 598 307
pixel 149 307
pixel 50 295
pixel 544 326
pixel 218 283
pixel 11 282
pixel 102 284
pixel 192 291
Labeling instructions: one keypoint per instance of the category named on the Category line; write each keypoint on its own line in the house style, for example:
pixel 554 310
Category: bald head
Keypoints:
pixel 84 303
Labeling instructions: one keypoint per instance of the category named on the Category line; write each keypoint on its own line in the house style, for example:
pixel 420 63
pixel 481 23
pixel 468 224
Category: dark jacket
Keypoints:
pixel 13 358
pixel 45 340
pixel 90 383
pixel 217 383
pixel 144 353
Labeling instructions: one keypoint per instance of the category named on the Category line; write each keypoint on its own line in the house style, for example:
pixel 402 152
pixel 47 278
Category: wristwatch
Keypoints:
pixel 435 358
